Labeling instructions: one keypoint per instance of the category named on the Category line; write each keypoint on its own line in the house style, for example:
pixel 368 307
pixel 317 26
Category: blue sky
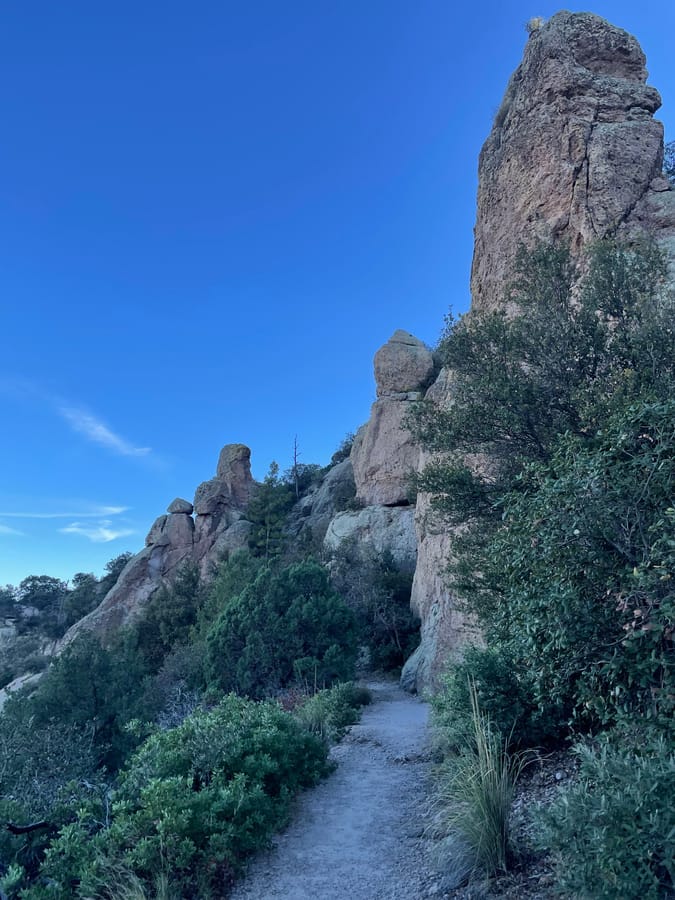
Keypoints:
pixel 213 214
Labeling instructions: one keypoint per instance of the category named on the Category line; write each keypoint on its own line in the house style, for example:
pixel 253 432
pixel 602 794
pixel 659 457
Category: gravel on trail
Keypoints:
pixel 359 834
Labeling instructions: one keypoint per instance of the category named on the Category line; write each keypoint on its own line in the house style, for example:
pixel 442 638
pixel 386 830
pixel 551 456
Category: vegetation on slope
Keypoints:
pixel 154 764
pixel 560 461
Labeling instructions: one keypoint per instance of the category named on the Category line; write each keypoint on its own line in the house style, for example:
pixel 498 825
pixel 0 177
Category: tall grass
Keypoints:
pixel 116 881
pixel 473 803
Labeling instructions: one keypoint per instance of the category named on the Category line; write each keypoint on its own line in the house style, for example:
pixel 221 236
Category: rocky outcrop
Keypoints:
pixel 311 516
pixel 379 528
pixel 574 152
pixel 574 155
pixel 176 539
pixel 384 452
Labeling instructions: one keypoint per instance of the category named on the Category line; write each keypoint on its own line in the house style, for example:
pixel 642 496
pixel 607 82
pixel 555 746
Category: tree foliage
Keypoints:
pixel 192 803
pixel 378 591
pixel 286 624
pixel 560 443
pixel 559 359
pixel 170 615
pixel 267 512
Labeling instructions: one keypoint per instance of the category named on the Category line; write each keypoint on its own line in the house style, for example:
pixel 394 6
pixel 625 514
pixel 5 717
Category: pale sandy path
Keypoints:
pixel 358 835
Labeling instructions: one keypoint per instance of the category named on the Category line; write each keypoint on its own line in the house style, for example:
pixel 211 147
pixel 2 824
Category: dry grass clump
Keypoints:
pixel 473 804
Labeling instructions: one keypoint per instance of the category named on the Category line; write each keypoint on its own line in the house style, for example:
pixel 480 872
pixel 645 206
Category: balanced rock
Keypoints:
pixel 404 364
pixel 234 468
pixel 180 506
pixel 384 453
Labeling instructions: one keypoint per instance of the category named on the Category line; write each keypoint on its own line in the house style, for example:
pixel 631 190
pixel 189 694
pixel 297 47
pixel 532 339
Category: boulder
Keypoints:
pixel 234 468
pixel 309 520
pixel 180 506
pixel 404 364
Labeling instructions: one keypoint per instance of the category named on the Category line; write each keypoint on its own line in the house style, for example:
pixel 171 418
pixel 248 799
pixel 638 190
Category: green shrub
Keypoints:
pixel 169 617
pixel 330 712
pixel 577 582
pixel 286 625
pixel 193 802
pixel 473 801
pixel 504 691
pixel 613 833
pixel 99 687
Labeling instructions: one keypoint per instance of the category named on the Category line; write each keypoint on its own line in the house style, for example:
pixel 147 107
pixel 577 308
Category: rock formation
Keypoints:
pixel 380 528
pixel 177 538
pixel 574 153
pixel 312 515
pixel 384 452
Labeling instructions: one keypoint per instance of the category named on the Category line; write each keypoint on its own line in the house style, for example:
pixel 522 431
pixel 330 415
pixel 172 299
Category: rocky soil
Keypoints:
pixel 359 835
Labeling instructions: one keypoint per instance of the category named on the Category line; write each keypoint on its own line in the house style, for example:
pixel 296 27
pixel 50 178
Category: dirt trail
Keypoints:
pixel 357 836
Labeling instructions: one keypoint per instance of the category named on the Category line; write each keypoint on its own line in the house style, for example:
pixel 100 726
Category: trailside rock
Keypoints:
pixel 574 152
pixel 384 454
pixel 445 628
pixel 309 519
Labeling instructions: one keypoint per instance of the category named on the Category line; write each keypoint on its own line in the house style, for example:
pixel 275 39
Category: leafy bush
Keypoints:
pixel 329 712
pixel 45 772
pixel 93 686
pixel 577 581
pixel 285 625
pixel 20 656
pixel 504 691
pixel 613 833
pixel 473 801
pixel 193 802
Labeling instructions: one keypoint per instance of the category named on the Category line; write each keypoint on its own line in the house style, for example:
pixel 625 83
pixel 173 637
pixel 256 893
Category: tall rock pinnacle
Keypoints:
pixel 574 152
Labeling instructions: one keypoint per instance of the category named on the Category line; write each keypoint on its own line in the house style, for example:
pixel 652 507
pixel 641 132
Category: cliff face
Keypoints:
pixel 574 153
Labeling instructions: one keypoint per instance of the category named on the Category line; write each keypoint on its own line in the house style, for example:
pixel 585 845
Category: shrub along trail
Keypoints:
pixel 358 835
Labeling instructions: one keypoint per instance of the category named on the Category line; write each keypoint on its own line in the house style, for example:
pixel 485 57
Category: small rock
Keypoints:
pixel 180 506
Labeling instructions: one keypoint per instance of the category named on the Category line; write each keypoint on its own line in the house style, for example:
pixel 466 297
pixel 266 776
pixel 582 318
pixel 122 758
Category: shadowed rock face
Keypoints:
pixel 574 152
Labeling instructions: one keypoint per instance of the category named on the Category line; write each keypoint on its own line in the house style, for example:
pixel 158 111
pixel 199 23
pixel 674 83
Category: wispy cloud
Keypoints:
pixel 81 420
pixel 94 513
pixel 5 529
pixel 99 533
pixel 96 431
